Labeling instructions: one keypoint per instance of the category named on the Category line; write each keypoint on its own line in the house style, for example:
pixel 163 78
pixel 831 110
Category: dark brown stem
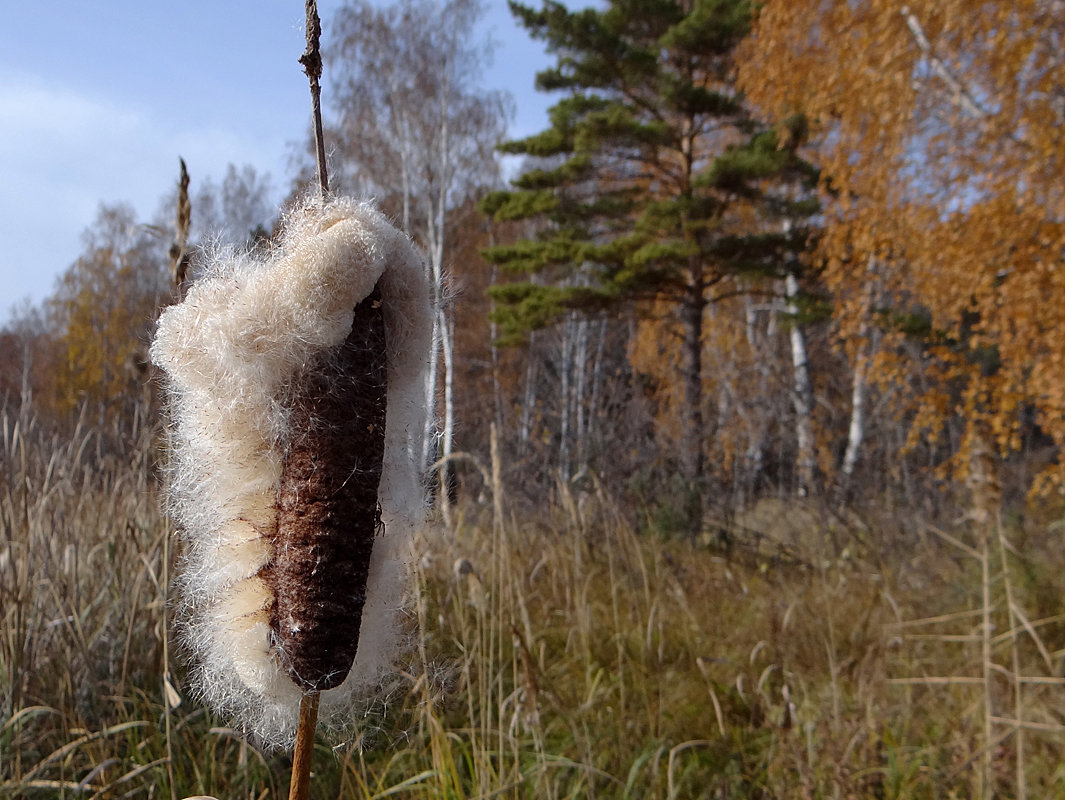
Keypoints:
pixel 312 65
pixel 299 786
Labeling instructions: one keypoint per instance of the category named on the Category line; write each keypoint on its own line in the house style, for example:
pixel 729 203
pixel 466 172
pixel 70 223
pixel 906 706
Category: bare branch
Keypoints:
pixel 961 96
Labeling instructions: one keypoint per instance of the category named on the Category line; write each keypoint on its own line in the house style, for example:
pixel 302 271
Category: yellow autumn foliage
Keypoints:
pixel 103 311
pixel 938 129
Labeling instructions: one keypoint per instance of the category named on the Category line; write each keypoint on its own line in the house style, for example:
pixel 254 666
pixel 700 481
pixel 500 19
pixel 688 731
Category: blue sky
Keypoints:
pixel 98 98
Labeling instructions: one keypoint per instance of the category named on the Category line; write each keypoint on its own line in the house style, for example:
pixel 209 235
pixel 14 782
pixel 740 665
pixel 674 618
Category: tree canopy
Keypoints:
pixel 938 125
pixel 102 313
pixel 653 186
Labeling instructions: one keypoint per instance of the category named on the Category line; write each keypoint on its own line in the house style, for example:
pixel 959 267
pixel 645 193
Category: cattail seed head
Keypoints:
pixel 327 504
pixel 295 384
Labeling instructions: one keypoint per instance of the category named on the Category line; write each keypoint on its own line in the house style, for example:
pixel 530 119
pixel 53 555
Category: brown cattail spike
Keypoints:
pixel 327 505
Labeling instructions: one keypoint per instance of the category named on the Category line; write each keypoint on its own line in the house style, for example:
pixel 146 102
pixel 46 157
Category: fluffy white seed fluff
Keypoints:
pixel 229 351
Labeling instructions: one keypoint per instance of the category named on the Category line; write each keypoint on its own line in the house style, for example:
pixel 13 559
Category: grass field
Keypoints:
pixel 567 653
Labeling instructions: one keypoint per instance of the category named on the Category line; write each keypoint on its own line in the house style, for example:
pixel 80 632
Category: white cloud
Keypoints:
pixel 63 153
pixel 88 126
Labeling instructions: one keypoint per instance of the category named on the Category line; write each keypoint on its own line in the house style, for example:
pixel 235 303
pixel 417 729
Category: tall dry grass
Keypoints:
pixel 556 655
pixel 81 601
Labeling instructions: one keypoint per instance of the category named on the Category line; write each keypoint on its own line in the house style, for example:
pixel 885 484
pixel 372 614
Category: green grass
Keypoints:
pixel 558 655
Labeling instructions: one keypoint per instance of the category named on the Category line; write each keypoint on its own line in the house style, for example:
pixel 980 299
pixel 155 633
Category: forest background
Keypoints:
pixel 748 401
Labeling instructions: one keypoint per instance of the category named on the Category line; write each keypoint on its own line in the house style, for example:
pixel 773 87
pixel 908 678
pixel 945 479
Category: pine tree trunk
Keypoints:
pixel 691 449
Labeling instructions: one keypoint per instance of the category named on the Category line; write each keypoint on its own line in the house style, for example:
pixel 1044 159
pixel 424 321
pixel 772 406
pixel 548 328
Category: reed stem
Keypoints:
pixel 312 65
pixel 299 785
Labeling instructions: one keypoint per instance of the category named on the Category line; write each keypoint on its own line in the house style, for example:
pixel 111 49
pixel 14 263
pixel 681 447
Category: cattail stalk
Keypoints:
pixel 294 381
pixel 294 384
pixel 308 718
pixel 299 783
pixel 312 65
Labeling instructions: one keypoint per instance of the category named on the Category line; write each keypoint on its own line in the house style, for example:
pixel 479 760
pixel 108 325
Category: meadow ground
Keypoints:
pixel 569 652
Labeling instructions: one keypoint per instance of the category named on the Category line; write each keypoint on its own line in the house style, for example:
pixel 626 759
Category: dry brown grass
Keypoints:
pixel 557 656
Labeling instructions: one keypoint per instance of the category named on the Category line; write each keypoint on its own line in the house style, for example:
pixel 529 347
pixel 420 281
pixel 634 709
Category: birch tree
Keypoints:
pixel 102 313
pixel 239 212
pixel 938 127
pixel 803 395
pixel 413 129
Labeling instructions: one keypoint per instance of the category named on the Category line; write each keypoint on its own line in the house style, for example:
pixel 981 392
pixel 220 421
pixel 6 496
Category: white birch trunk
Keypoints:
pixel 493 332
pixel 580 366
pixel 803 397
pixel 593 400
pixel 528 402
pixel 565 370
pixel 440 434
pixel 860 382
pixel 429 439
pixel 447 349
pixel 418 68
pixel 754 455
pixel 856 429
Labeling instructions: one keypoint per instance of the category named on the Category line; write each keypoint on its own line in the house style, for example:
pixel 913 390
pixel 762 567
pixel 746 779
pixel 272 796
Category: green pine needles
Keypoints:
pixel 654 181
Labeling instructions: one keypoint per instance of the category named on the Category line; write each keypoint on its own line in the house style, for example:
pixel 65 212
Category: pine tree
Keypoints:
pixel 653 183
